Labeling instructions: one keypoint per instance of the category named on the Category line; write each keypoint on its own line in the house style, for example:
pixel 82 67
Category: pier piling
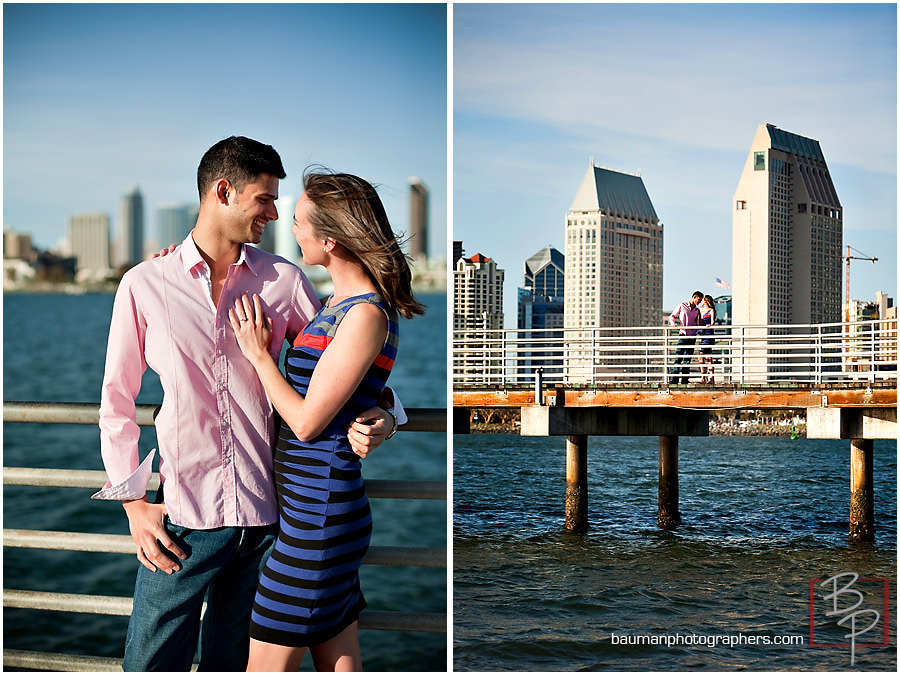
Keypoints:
pixel 862 502
pixel 576 484
pixel 667 516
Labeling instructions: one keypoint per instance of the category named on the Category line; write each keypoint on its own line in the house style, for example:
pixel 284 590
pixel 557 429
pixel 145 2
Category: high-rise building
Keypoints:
pixel 542 291
pixel 18 246
pixel 457 251
pixel 614 253
pixel 89 243
pixel 541 311
pixel 786 234
pixel 418 220
pixel 477 293
pixel 174 222
pixel 130 239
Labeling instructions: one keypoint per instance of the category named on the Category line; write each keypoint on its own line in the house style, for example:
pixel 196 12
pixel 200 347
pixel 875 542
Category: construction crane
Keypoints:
pixel 847 259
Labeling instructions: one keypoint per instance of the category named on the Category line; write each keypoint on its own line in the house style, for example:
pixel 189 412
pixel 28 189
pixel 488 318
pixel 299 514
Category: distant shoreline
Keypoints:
pixel 770 430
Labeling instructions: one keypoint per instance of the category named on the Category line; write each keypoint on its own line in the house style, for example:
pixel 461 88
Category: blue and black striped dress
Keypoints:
pixel 309 590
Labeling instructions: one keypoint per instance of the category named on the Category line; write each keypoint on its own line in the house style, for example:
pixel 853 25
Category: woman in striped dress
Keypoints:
pixel 309 595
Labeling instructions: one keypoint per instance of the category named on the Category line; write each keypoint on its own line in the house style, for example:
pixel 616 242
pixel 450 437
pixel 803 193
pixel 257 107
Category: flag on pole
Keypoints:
pixel 722 284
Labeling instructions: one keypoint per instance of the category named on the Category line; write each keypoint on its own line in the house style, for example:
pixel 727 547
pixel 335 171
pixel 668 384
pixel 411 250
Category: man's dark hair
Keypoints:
pixel 697 294
pixel 239 160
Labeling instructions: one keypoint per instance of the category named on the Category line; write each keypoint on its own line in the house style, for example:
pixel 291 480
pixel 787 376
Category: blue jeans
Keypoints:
pixel 683 354
pixel 165 620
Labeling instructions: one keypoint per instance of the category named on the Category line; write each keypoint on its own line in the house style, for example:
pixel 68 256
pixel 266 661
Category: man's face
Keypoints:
pixel 696 300
pixel 252 208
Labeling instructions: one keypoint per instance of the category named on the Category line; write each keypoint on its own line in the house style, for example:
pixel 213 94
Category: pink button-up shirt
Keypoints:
pixel 215 428
pixel 687 316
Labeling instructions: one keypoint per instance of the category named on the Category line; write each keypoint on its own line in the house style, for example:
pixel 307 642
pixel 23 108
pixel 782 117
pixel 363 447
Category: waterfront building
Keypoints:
pixel 786 234
pixel 786 244
pixel 543 289
pixel 129 248
pixel 477 293
pixel 614 266
pixel 18 246
pixel 863 341
pixel 541 308
pixel 418 220
pixel 614 253
pixel 89 244
pixel 723 310
pixel 174 222
pixel 477 304
pixel 457 251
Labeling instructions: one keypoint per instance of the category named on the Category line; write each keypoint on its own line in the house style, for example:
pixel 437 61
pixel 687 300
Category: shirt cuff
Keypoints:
pixel 133 487
pixel 399 411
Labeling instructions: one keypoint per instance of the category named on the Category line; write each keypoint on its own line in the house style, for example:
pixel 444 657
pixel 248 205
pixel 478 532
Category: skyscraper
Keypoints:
pixel 614 253
pixel 542 292
pixel 477 293
pixel 786 234
pixel 130 240
pixel 173 223
pixel 418 220
pixel 89 243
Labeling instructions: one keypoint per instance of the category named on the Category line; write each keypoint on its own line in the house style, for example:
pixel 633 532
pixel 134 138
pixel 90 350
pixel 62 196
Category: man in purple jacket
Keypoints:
pixel 687 314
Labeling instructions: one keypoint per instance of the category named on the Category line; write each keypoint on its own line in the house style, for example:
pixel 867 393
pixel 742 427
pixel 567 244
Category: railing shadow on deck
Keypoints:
pixel 420 419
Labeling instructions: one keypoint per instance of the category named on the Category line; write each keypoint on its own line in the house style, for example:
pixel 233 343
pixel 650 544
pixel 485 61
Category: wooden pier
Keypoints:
pixel 858 411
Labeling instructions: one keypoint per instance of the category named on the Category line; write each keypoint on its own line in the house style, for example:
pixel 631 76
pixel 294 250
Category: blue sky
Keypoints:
pixel 677 92
pixel 98 98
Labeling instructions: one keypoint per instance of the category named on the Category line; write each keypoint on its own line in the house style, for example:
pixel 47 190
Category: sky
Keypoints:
pixel 100 98
pixel 676 92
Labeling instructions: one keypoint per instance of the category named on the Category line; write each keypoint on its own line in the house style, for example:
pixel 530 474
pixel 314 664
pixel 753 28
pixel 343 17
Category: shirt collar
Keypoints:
pixel 190 256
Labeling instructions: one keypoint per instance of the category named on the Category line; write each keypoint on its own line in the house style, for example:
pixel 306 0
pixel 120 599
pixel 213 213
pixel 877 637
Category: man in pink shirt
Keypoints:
pixel 687 314
pixel 215 428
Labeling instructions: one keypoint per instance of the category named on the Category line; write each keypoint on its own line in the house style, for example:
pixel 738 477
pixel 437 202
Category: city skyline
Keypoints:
pixel 82 127
pixel 677 93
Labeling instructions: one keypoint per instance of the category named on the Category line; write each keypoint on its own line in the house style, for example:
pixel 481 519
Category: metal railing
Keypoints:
pixel 857 352
pixel 421 419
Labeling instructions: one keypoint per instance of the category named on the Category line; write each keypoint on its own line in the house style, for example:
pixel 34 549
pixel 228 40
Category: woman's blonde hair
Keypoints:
pixel 346 208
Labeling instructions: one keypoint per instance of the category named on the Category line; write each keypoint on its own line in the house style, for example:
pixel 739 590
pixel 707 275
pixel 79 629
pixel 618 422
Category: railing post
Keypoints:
pixel 741 355
pixel 819 357
pixel 872 359
pixel 538 386
pixel 665 346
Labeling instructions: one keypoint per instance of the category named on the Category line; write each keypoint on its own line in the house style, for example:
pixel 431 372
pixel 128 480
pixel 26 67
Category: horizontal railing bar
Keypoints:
pixel 60 663
pixel 95 479
pixel 40 412
pixel 123 543
pixel 422 622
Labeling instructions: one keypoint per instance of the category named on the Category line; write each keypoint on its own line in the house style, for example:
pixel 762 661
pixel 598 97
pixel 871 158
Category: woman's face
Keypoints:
pixel 311 246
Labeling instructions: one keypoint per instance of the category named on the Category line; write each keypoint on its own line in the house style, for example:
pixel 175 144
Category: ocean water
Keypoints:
pixel 763 517
pixel 54 350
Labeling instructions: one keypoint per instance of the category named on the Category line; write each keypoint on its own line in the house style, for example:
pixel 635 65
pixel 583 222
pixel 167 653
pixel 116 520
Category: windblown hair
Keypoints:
pixel 239 160
pixel 346 208
pixel 712 305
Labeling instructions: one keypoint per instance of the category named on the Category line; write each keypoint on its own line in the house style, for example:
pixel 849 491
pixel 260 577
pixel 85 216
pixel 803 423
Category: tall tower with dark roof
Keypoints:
pixel 787 230
pixel 614 253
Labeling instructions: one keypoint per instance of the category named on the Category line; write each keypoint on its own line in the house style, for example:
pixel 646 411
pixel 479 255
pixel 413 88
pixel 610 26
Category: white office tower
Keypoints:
pixel 787 232
pixel 614 269
pixel 89 244
pixel 614 253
